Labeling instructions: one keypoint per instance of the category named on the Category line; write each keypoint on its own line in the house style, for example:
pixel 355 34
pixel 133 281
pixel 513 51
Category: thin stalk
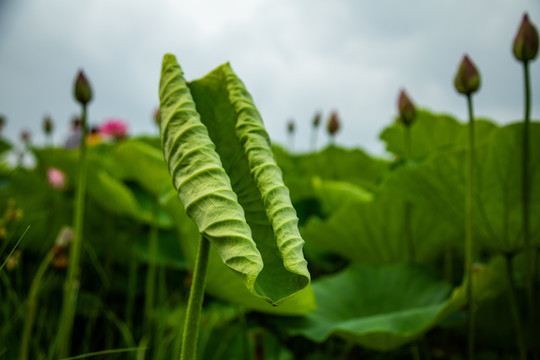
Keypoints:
pixel 150 276
pixel 314 131
pixel 408 205
pixel 132 289
pixel 514 309
pixel 196 296
pixel 71 286
pixel 468 230
pixel 31 306
pixel 526 191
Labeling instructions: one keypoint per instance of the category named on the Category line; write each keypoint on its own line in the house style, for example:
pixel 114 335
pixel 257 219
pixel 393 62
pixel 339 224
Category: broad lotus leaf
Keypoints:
pixel 432 133
pixel 105 184
pixel 383 307
pixel 439 183
pixel 221 164
pixel 222 283
pixel 141 162
pixel 332 163
pixel 375 231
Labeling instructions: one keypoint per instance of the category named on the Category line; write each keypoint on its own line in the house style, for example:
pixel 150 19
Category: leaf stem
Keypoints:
pixel 514 308
pixel 468 230
pixel 196 296
pixel 408 205
pixel 526 189
pixel 71 286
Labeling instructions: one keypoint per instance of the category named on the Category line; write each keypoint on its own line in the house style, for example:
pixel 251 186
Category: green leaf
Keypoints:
pixel 220 281
pixel 221 163
pixel 432 133
pixel 439 183
pixel 384 307
pixel 375 231
pixel 143 163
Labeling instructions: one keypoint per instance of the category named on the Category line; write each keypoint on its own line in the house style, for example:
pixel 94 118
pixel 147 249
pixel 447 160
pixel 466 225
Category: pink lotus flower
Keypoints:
pixel 56 178
pixel 114 128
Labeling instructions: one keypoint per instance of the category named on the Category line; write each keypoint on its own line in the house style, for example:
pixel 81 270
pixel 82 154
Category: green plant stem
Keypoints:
pixel 196 296
pixel 514 309
pixel 314 130
pixel 526 190
pixel 31 306
pixel 150 276
pixel 71 286
pixel 408 205
pixel 468 230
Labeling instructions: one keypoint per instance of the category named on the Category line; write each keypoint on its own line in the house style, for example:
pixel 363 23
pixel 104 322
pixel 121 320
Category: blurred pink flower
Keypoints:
pixel 56 178
pixel 114 128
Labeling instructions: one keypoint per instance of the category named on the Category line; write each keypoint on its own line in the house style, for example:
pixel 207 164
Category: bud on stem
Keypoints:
pixel 467 80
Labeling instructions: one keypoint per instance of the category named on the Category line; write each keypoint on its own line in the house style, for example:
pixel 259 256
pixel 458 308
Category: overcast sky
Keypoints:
pixel 295 57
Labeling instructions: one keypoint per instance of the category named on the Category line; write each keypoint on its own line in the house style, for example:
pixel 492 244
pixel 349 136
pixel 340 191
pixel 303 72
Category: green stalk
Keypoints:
pixel 150 276
pixel 514 309
pixel 408 221
pixel 314 138
pixel 31 306
pixel 71 286
pixel 196 296
pixel 468 230
pixel 526 190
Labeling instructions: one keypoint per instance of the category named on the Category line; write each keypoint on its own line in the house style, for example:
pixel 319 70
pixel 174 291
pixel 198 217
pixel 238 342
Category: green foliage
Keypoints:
pixel 222 165
pixel 383 307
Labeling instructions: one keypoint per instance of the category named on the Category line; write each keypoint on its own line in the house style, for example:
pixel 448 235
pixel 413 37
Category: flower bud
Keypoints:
pixel 290 126
pixel 467 80
pixel 25 137
pixel 333 123
pixel 317 119
pixel 2 122
pixel 83 91
pixel 56 178
pixel 156 116
pixel 407 111
pixel 47 125
pixel 526 41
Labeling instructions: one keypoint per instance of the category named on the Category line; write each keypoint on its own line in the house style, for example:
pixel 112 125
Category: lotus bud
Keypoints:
pixel 56 178
pixel 25 137
pixel 467 80
pixel 82 91
pixel 290 126
pixel 333 123
pixel 317 119
pixel 2 122
pixel 526 41
pixel 156 116
pixel 407 111
pixel 47 125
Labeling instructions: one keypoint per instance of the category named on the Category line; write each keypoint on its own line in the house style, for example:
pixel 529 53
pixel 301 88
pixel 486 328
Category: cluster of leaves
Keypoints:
pixel 366 294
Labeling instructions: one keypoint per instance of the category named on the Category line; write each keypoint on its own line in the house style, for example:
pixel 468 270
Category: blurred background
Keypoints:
pixel 295 57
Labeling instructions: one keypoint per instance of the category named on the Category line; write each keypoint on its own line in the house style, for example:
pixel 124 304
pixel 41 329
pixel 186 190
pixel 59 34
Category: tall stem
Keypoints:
pixel 407 206
pixel 196 296
pixel 514 309
pixel 526 189
pixel 71 286
pixel 314 130
pixel 468 230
